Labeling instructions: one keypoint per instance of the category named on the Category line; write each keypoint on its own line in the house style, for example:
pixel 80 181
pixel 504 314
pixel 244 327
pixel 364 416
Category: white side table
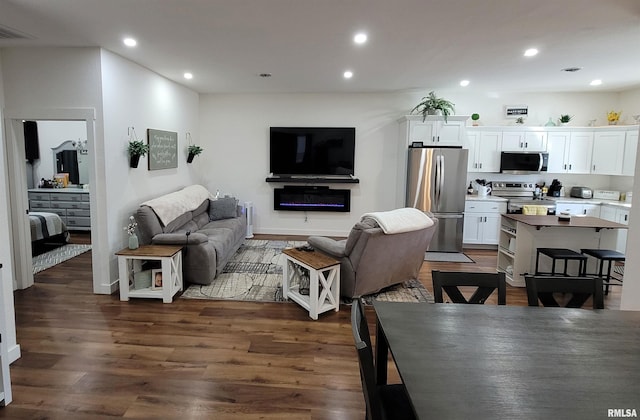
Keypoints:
pixel 324 280
pixel 170 257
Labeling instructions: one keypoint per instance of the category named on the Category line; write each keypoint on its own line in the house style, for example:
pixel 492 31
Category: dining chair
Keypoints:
pixel 382 401
pixel 485 283
pixel 542 288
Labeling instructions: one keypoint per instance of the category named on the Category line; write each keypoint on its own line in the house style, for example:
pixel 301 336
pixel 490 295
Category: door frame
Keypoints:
pixel 20 231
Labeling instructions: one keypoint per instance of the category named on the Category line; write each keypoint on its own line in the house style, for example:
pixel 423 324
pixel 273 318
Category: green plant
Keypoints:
pixel 137 148
pixel 565 118
pixel 195 150
pixel 475 117
pixel 431 103
pixel 520 120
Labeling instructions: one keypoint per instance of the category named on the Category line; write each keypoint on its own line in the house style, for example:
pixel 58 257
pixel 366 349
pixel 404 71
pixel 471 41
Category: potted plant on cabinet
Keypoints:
pixel 431 104
pixel 136 149
pixel 193 152
pixel 474 118
pixel 565 118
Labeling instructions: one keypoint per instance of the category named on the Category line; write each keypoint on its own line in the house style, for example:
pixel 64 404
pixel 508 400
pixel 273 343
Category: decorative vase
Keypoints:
pixel 133 241
pixel 190 157
pixel 134 160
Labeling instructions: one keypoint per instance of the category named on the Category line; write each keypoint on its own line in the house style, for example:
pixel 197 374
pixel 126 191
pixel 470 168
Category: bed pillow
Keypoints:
pixel 222 208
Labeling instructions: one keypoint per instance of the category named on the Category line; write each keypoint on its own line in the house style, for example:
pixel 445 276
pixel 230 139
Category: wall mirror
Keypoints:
pixel 70 157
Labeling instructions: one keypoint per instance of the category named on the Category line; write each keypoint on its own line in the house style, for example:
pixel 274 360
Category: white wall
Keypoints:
pixel 7 284
pixel 135 97
pixel 61 78
pixel 235 135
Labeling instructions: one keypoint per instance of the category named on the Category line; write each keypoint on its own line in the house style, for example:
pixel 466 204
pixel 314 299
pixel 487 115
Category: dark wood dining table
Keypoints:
pixel 505 362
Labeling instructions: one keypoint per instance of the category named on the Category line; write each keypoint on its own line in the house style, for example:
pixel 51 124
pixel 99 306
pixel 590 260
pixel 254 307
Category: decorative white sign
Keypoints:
pixel 516 111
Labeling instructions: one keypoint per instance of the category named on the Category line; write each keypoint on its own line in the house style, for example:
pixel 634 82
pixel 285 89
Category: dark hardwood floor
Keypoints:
pixel 87 356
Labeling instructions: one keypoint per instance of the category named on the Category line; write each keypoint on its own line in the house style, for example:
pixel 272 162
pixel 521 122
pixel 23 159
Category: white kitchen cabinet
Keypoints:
pixel 630 151
pixel 484 150
pixel 569 151
pixel 608 152
pixel 434 131
pixel 618 239
pixel 524 141
pixel 482 222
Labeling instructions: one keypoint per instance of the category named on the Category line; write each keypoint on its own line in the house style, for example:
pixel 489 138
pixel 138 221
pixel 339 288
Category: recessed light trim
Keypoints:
pixel 188 76
pixel 464 83
pixel 531 52
pixel 360 38
pixel 348 74
pixel 596 82
pixel 130 42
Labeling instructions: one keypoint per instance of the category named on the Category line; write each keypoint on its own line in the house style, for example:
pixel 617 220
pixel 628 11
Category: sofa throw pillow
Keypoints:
pixel 222 208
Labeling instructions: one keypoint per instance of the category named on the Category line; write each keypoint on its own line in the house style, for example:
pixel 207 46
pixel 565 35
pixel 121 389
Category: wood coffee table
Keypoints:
pixel 324 280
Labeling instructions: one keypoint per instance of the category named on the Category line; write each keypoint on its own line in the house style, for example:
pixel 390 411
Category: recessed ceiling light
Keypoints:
pixel 530 52
pixel 348 74
pixel 464 83
pixel 360 38
pixel 188 76
pixel 596 82
pixel 265 75
pixel 130 42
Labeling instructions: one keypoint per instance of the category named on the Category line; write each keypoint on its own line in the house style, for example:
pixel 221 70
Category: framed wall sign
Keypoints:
pixel 163 149
pixel 516 111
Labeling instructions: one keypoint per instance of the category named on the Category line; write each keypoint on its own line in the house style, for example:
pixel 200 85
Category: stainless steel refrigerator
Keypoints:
pixel 436 183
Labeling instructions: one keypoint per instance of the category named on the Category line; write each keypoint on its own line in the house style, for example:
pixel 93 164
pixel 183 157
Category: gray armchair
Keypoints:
pixel 371 260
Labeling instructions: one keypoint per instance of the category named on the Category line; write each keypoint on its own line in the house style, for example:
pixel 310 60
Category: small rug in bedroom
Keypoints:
pixel 49 259
pixel 457 257
pixel 254 273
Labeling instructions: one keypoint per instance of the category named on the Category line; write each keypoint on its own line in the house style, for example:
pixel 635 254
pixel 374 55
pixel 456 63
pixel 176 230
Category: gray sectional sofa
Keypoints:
pixel 211 232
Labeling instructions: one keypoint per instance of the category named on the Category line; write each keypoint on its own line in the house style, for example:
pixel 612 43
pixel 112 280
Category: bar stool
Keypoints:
pixel 605 255
pixel 561 254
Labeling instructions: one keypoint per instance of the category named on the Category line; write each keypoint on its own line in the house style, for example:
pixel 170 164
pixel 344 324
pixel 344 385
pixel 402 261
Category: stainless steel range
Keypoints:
pixel 520 194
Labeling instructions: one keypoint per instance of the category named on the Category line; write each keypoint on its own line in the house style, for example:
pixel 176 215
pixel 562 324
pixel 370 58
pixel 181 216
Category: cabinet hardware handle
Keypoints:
pixel 569 166
pixel 521 145
pixel 433 139
pixel 526 145
pixel 438 139
pixel 480 165
pixel 475 165
pixel 565 166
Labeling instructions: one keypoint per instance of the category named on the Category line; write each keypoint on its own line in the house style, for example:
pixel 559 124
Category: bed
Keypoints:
pixel 47 228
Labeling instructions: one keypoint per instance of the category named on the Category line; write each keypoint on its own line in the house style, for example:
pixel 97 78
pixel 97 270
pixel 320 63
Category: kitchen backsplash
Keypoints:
pixel 603 182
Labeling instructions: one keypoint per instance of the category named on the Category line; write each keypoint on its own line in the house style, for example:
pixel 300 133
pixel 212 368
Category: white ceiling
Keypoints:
pixel 307 44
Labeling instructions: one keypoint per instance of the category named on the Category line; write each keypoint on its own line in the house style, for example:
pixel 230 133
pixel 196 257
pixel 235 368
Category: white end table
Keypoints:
pixel 324 280
pixel 170 257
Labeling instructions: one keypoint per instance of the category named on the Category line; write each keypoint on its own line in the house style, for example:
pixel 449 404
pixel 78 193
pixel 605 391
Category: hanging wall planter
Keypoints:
pixel 193 152
pixel 136 149
pixel 134 160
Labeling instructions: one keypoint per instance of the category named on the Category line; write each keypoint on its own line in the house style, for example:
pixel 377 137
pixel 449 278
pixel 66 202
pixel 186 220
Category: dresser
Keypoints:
pixel 71 204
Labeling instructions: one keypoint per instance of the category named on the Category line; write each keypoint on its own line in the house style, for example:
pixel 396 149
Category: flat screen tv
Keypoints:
pixel 312 151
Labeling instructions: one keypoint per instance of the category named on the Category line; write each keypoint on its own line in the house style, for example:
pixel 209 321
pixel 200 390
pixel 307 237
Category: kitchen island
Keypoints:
pixel 520 235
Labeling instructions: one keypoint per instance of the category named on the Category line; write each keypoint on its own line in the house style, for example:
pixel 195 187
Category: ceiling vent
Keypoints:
pixel 9 33
pixel 572 69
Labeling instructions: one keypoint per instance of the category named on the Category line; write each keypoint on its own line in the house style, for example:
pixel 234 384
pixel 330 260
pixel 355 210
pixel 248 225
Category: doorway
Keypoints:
pixel 19 205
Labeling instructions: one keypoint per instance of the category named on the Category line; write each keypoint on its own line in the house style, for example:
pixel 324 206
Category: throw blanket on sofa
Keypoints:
pixel 400 220
pixel 168 207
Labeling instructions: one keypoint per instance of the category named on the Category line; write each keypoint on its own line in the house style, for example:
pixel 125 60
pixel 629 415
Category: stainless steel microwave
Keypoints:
pixel 523 162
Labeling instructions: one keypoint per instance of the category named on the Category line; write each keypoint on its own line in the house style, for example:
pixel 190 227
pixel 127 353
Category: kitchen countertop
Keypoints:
pixel 572 200
pixel 60 190
pixel 575 221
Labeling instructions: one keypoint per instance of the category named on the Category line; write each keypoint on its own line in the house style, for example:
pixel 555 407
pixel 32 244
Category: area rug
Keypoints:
pixel 254 273
pixel 49 259
pixel 457 257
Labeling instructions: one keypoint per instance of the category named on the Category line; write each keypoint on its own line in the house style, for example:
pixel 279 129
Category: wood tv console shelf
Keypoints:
pixel 302 179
